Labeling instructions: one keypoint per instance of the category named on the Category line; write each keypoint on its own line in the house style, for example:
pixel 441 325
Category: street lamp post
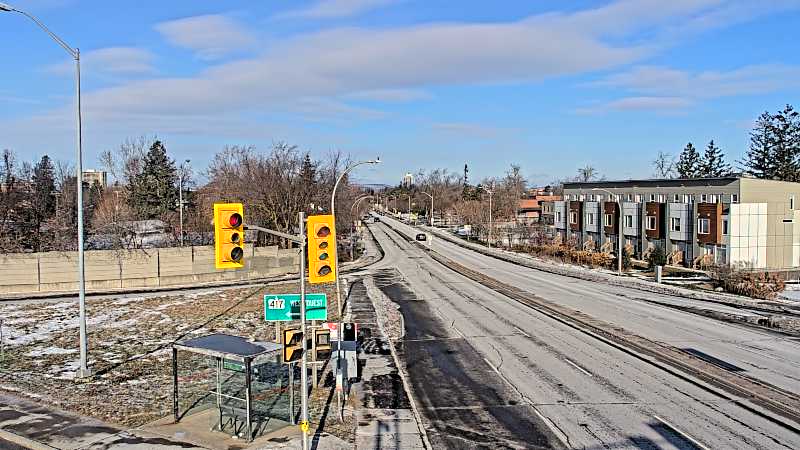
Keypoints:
pixel 83 369
pixel 619 230
pixel 491 225
pixel 180 195
pixel 429 195
pixel 338 288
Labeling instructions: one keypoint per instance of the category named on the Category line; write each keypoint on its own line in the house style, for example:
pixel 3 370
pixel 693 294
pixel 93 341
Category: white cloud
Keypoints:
pixel 658 104
pixel 391 95
pixel 111 60
pixel 666 89
pixel 329 9
pixel 210 36
pixel 467 129
pixel 345 63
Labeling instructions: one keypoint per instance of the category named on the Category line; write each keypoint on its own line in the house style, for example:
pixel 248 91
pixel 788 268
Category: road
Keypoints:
pixel 489 372
pixel 764 355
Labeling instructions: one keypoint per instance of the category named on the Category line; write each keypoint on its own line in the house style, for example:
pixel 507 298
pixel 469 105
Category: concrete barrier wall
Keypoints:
pixel 111 269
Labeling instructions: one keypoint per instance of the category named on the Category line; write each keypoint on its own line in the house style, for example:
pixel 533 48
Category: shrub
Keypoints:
pixel 762 285
pixel 657 257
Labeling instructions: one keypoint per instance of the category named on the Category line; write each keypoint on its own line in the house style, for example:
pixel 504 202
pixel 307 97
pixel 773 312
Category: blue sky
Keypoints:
pixel 551 86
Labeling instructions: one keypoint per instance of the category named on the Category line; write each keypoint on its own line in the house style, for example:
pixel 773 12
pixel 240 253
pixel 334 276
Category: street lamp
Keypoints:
pixel 491 193
pixel 83 370
pixel 619 230
pixel 338 288
pixel 429 195
pixel 180 195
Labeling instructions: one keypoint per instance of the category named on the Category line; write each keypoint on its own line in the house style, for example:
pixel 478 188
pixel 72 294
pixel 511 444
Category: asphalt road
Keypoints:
pixel 489 372
pixel 760 354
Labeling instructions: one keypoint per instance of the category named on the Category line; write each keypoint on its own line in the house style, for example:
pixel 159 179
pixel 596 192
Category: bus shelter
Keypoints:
pixel 244 381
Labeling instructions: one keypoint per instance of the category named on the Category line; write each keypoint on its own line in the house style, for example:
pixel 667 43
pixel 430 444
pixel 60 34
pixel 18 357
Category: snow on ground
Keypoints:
pixel 129 347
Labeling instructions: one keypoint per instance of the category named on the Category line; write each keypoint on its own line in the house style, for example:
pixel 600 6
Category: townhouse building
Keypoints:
pixel 735 220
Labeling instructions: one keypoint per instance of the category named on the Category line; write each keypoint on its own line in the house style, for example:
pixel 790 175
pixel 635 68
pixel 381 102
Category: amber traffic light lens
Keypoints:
pixel 323 232
pixel 323 245
pixel 324 270
pixel 323 256
pixel 235 238
pixel 235 220
pixel 237 253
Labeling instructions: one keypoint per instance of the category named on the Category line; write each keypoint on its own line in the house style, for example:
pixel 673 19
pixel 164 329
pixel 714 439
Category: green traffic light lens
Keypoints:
pixel 323 256
pixel 237 253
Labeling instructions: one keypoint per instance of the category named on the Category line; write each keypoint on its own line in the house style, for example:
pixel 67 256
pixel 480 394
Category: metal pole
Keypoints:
pixel 180 203
pixel 83 370
pixel 490 219
pixel 291 394
pixel 619 238
pixel 303 365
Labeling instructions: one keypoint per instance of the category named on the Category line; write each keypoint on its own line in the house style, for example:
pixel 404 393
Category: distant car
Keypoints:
pixel 422 237
pixel 376 220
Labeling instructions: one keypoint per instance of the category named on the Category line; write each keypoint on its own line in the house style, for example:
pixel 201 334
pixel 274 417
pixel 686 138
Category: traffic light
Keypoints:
pixel 228 235
pixel 321 231
pixel 349 331
pixel 322 344
pixel 292 345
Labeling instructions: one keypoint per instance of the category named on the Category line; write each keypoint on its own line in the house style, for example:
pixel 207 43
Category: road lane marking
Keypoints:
pixel 682 434
pixel 578 367
pixel 523 333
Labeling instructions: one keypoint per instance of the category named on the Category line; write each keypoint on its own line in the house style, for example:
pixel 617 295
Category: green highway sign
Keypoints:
pixel 286 307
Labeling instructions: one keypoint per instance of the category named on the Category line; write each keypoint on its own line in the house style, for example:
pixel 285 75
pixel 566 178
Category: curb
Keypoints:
pixel 23 441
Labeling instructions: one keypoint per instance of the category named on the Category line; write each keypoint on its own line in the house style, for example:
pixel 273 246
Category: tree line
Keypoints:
pixel 38 207
pixel 773 153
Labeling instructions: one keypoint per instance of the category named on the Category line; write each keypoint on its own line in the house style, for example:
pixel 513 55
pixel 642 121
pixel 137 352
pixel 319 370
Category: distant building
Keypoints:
pixel 408 180
pixel 90 176
pixel 530 205
pixel 697 221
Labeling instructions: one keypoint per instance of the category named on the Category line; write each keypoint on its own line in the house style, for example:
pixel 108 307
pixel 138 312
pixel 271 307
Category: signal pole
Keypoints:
pixel 303 362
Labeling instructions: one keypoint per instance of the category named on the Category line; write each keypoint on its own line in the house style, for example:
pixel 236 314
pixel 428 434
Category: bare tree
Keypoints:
pixel 664 165
pixel 587 173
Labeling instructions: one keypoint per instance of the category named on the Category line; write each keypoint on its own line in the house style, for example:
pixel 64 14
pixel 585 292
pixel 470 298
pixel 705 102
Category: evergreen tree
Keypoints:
pixel 466 192
pixel 154 191
pixel 759 160
pixel 688 165
pixel 713 163
pixel 786 144
pixel 42 204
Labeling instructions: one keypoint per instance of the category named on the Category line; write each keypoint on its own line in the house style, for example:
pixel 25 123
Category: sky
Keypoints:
pixel 549 85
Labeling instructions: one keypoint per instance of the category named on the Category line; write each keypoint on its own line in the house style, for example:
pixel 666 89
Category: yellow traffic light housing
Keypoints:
pixel 322 344
pixel 228 235
pixel 292 345
pixel 321 233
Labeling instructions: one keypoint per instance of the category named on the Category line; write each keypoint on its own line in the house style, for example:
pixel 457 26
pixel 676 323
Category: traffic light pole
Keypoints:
pixel 303 364
pixel 301 239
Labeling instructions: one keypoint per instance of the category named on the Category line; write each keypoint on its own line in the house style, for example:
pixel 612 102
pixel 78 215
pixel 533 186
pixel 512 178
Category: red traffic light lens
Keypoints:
pixel 235 220
pixel 237 253
pixel 324 270
pixel 323 231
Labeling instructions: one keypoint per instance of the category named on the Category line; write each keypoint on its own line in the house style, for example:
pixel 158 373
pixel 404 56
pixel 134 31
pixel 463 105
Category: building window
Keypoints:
pixel 734 198
pixel 652 197
pixel 704 198
pixel 702 226
pixel 566 196
pixel 675 224
pixel 712 198
pixel 558 216
pixel 629 197
pixel 791 202
pixel 609 220
pixel 629 221
pixel 676 198
pixel 638 198
pixel 651 223
pixel 591 197
pixel 590 219
pixel 687 198
pixel 725 226
pixel 573 217
pixel 581 197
